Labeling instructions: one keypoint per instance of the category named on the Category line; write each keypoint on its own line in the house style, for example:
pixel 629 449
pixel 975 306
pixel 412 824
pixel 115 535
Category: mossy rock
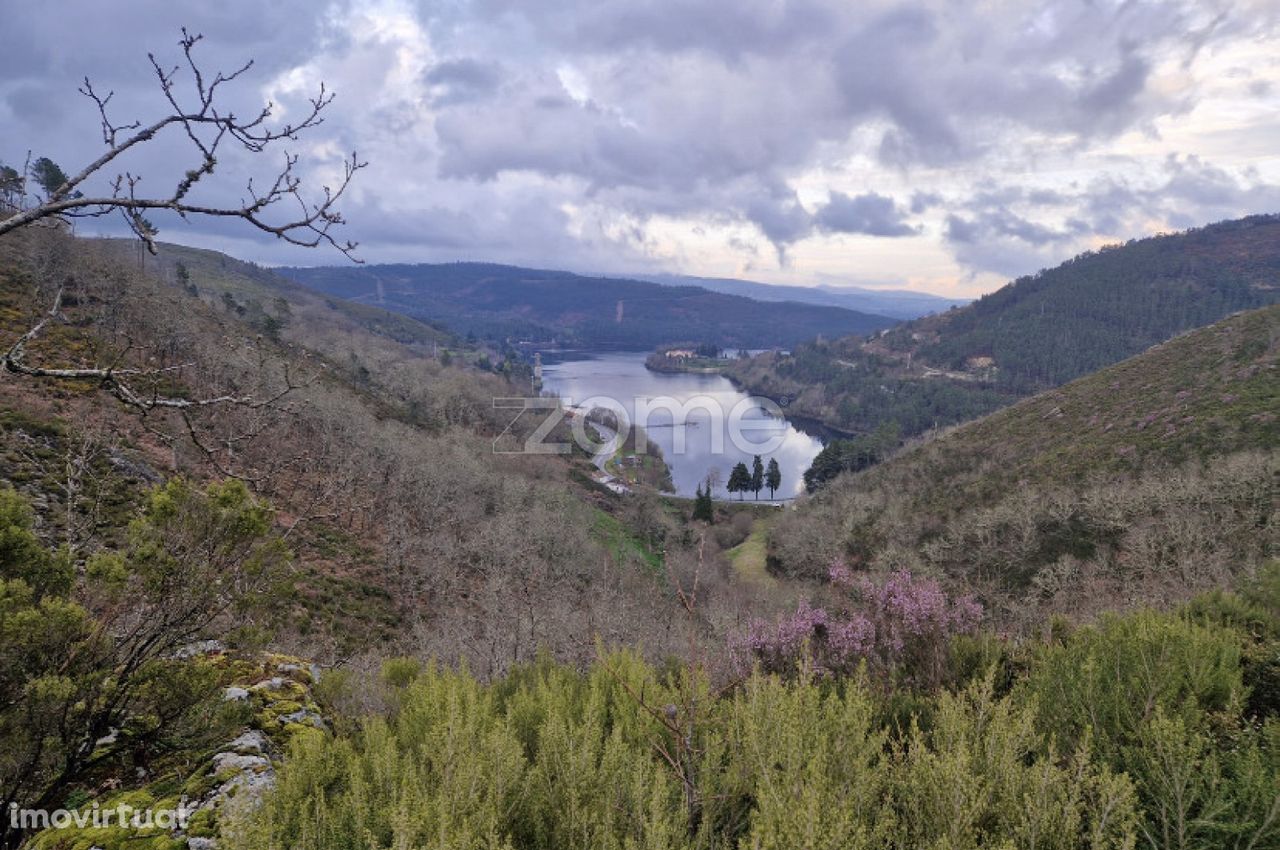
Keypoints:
pixel 203 824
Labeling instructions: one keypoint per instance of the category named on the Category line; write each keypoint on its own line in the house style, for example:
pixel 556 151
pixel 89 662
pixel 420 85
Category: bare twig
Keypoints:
pixel 207 128
pixel 122 382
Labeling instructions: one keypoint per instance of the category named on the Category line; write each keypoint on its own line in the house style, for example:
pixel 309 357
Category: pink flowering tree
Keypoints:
pixel 901 624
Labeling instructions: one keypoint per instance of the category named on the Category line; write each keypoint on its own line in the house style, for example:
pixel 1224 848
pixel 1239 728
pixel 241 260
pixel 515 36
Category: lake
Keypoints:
pixel 702 422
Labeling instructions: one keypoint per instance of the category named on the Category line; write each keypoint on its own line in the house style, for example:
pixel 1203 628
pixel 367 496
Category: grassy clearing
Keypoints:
pixel 748 557
pixel 621 545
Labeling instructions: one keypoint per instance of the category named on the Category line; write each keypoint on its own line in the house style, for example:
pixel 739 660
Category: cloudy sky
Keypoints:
pixel 941 146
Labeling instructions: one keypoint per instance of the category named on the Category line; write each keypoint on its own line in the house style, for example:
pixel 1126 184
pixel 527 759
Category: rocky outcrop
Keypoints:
pixel 276 691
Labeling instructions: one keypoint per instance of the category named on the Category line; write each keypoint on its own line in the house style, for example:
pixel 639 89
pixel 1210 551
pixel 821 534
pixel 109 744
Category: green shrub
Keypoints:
pixel 1162 698
pixel 1108 681
pixel 400 672
pixel 619 757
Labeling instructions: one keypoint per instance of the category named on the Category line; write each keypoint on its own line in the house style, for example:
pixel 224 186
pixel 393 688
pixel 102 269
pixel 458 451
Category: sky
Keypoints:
pixel 932 145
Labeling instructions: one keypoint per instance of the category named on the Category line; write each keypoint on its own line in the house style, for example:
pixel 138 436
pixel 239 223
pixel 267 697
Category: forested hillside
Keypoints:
pixel 505 303
pixel 371 434
pixel 1137 484
pixel 1037 332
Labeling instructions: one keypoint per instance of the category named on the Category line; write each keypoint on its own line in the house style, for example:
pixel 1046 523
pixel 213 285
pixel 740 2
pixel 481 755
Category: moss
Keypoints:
pixel 107 838
pixel 203 824
pixel 287 689
pixel 290 731
pixel 225 775
pixel 156 796
pixel 199 784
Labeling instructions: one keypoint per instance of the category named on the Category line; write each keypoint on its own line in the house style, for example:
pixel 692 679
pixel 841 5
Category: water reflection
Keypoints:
pixel 707 446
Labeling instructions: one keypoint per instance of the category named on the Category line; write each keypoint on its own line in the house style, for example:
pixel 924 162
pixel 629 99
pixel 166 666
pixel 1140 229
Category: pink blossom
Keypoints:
pixel 899 623
pixel 840 574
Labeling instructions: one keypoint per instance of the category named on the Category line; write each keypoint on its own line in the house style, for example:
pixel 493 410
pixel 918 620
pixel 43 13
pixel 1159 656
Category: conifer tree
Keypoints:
pixel 702 506
pixel 773 476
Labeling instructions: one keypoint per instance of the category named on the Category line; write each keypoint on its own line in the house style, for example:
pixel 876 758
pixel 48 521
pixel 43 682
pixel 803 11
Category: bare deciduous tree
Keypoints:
pixel 208 128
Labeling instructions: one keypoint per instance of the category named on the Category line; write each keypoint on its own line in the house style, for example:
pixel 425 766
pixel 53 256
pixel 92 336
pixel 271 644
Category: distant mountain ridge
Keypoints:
pixel 895 303
pixel 544 306
pixel 1035 333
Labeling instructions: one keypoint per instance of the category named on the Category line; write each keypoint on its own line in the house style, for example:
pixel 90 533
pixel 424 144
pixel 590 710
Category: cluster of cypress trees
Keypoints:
pixel 741 480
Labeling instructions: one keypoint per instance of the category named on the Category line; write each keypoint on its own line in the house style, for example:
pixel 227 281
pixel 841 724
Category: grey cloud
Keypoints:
pixel 109 44
pixel 673 26
pixel 873 76
pixel 1115 92
pixel 872 214
pixel 462 80
pixel 783 220
pixel 702 111
pixel 924 201
pixel 38 102
pixel 961 230
pixel 1014 230
pixel 688 98
pixel 1201 183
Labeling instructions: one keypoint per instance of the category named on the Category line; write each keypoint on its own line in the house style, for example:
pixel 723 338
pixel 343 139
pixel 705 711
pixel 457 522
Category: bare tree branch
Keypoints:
pixel 207 128
pixel 279 208
pixel 123 382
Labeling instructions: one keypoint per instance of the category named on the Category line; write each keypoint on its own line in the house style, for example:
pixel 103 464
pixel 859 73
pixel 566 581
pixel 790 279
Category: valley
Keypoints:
pixel 388 514
pixel 334 515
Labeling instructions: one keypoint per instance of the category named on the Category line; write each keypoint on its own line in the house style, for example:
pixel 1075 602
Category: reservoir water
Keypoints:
pixel 703 423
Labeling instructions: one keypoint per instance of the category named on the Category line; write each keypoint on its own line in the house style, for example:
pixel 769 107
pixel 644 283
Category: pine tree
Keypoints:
pixel 757 476
pixel 48 175
pixel 10 186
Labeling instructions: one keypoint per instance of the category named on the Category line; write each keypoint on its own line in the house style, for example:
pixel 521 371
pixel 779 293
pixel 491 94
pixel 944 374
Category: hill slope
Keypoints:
pixel 510 303
pixel 407 525
pixel 1148 479
pixel 1032 334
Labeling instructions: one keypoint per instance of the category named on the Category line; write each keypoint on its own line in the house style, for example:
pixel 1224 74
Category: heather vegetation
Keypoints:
pixel 1139 731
